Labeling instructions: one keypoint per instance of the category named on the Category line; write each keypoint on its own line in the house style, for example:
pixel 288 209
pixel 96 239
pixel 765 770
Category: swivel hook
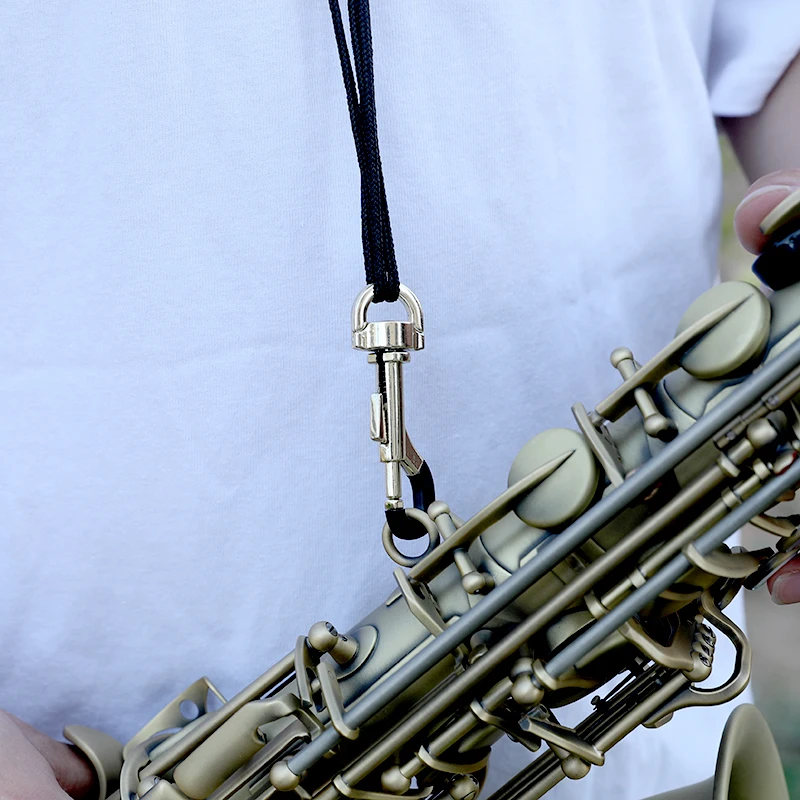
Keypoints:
pixel 388 343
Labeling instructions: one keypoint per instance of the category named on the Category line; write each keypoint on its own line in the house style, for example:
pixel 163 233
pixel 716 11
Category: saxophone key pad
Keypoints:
pixel 735 343
pixel 568 491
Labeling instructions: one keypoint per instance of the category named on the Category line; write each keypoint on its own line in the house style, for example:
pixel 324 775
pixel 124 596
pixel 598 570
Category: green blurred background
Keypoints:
pixel 773 630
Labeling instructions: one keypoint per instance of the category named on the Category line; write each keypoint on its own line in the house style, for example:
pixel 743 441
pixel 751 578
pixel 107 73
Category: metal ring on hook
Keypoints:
pixel 387 335
pixel 418 518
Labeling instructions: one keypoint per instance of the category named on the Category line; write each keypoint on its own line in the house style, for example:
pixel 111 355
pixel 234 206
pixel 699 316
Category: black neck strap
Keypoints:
pixel 376 232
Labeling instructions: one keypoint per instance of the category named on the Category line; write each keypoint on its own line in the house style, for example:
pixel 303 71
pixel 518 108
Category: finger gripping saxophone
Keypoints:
pixel 601 572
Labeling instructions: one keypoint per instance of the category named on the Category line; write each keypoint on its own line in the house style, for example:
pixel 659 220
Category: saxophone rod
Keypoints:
pixel 750 391
pixel 509 644
pixel 763 499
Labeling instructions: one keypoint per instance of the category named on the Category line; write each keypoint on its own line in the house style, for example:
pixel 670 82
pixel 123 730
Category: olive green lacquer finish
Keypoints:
pixel 600 570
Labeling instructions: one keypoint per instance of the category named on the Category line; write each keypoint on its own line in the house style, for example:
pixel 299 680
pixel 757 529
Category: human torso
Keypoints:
pixel 188 477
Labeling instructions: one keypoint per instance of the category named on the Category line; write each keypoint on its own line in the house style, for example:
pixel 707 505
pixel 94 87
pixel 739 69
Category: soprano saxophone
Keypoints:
pixel 603 561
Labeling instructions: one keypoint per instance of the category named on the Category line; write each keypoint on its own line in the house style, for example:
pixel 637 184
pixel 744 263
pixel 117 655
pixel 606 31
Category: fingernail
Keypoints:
pixel 786 589
pixel 783 188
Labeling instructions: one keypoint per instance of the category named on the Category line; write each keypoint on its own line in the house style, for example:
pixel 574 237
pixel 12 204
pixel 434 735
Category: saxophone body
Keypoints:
pixel 600 571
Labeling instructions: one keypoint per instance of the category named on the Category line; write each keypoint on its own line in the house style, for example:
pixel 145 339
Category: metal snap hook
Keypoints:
pixel 388 343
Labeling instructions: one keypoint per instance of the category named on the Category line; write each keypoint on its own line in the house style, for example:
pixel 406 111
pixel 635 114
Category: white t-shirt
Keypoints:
pixel 186 476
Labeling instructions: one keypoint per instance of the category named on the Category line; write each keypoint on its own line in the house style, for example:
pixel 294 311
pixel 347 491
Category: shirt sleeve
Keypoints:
pixel 752 44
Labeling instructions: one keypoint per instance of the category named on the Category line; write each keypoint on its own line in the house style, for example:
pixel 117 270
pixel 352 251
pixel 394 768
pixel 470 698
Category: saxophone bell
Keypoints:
pixel 748 763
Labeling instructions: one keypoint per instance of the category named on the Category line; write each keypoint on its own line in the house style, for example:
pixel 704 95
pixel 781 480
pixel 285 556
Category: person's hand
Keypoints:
pixel 35 767
pixel 760 199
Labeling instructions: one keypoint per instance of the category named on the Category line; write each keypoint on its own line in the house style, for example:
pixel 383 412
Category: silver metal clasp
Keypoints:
pixel 388 343
pixel 388 334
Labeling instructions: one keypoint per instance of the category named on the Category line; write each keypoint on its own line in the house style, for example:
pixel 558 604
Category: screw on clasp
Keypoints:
pixel 388 343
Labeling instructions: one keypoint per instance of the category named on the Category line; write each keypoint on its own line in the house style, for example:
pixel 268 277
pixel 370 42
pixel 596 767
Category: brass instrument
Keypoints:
pixel 603 561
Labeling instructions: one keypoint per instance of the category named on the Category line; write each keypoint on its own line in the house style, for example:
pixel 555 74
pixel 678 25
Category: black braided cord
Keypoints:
pixel 380 264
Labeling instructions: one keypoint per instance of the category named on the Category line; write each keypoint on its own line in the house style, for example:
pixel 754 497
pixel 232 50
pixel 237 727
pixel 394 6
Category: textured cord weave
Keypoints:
pixel 380 264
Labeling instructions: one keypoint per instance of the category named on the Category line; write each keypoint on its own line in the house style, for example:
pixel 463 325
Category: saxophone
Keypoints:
pixel 601 569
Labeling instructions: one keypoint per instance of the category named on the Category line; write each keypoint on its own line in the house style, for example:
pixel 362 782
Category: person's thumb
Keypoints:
pixel 784 586
pixel 35 767
pixel 759 200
